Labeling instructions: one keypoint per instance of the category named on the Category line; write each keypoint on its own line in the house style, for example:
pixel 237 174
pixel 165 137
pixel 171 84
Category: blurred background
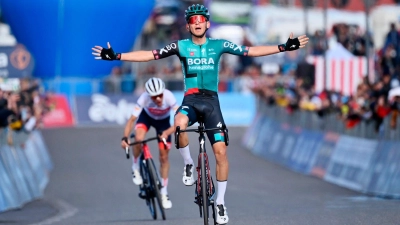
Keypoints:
pixel 349 69
pixel 344 83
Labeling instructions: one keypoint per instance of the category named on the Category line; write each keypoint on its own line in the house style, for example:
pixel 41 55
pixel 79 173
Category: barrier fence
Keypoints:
pixel 303 143
pixel 24 168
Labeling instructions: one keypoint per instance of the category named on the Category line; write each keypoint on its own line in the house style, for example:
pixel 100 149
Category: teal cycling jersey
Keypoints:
pixel 200 63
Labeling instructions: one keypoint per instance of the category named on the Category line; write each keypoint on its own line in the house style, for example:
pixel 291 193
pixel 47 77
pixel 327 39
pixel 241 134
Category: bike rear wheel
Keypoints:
pixel 204 194
pixel 148 191
pixel 156 184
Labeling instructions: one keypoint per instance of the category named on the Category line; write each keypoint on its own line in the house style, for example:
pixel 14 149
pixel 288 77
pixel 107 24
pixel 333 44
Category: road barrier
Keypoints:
pixel 24 168
pixel 370 166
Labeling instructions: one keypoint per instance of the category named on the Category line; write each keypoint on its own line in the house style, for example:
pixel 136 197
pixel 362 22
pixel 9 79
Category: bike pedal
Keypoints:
pixel 142 195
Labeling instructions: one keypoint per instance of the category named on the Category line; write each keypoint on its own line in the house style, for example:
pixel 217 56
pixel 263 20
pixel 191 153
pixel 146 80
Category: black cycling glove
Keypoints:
pixel 109 54
pixel 291 44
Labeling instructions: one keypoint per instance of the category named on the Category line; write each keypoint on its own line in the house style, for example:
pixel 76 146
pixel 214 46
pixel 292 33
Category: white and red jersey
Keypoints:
pixel 154 111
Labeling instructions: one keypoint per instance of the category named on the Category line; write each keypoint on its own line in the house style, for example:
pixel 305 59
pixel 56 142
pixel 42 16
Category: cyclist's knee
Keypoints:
pixel 181 120
pixel 163 158
pixel 219 149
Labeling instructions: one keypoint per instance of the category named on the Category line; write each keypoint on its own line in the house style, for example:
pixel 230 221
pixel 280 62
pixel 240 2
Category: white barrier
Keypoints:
pixel 24 168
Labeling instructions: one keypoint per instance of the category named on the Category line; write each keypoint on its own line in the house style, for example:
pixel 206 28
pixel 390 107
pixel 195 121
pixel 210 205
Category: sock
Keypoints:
pixel 135 163
pixel 165 185
pixel 186 155
pixel 221 187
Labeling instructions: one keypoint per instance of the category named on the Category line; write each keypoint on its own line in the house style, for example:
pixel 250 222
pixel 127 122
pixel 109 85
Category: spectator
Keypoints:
pixel 113 81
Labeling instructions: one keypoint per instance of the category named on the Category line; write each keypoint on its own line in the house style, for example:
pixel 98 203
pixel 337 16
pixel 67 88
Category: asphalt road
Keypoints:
pixel 91 184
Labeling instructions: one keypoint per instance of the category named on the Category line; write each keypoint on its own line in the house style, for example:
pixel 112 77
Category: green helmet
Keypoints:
pixel 197 10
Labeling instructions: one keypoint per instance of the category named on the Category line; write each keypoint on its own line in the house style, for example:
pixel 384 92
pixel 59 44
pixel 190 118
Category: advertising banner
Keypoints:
pixel 250 137
pixel 60 114
pixel 98 109
pixel 385 169
pixel 349 163
pixel 325 149
pixel 15 62
pixel 305 150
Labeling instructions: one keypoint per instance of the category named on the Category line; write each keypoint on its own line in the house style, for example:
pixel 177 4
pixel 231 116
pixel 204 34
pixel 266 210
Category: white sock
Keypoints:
pixel 165 185
pixel 221 187
pixel 186 155
pixel 135 163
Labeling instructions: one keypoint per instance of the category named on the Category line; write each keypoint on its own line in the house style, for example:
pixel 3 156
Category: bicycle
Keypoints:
pixel 204 185
pixel 150 188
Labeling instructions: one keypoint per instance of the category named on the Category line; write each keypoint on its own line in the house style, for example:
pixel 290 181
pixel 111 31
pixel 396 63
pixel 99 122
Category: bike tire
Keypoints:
pixel 156 184
pixel 204 194
pixel 149 198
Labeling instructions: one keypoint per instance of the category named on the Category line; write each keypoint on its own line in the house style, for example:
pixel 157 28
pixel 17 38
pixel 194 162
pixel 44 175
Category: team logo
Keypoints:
pixel 20 58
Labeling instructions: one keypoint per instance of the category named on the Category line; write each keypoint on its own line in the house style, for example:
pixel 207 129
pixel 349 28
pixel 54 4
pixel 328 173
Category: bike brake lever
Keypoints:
pixel 127 152
pixel 165 143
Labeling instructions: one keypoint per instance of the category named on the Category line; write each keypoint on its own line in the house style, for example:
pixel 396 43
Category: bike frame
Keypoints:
pixel 154 182
pixel 205 189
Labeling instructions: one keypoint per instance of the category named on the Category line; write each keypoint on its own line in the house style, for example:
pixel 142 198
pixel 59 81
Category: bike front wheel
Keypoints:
pixel 147 189
pixel 156 184
pixel 204 194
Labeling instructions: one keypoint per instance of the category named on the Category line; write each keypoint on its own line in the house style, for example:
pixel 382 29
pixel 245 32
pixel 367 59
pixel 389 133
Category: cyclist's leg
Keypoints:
pixel 217 140
pixel 141 127
pixel 160 126
pixel 184 117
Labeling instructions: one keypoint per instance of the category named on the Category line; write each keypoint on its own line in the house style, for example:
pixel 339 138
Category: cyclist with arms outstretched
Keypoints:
pixel 152 109
pixel 200 57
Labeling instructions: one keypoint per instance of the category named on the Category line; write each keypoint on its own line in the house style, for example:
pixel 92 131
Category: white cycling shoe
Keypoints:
pixel 166 203
pixel 188 178
pixel 136 178
pixel 221 215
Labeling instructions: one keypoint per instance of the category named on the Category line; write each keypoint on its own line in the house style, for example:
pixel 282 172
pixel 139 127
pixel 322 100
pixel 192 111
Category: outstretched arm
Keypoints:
pixel 290 45
pixel 109 54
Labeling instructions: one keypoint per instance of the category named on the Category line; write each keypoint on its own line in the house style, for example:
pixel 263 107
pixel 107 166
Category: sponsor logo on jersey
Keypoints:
pixel 167 48
pixel 158 112
pixel 200 63
pixel 228 44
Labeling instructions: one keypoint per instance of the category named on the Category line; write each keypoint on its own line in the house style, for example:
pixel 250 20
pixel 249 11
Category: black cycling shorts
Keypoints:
pixel 145 121
pixel 205 105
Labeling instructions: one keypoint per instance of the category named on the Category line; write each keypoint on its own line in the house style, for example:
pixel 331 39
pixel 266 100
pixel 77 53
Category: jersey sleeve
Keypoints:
pixel 234 49
pixel 137 109
pixel 171 100
pixel 171 49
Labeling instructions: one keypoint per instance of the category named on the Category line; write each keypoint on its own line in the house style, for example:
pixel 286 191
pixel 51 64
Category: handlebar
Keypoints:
pixel 143 142
pixel 201 129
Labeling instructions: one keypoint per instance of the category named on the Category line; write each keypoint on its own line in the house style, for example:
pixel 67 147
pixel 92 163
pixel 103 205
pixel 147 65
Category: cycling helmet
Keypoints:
pixel 197 10
pixel 155 86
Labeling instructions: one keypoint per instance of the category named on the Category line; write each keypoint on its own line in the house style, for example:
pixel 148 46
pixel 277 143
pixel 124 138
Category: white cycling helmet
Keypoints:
pixel 155 86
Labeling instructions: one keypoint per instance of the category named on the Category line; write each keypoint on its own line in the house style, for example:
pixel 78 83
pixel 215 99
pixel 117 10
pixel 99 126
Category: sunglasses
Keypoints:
pixel 157 96
pixel 195 18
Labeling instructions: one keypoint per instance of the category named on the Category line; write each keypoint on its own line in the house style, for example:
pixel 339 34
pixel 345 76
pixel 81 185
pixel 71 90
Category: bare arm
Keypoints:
pixel 127 130
pixel 263 50
pixel 137 56
pixel 273 49
pixel 129 125
pixel 109 54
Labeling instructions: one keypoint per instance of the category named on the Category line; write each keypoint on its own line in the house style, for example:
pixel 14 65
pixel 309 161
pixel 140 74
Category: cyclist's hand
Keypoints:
pixel 294 43
pixel 105 53
pixel 163 135
pixel 125 143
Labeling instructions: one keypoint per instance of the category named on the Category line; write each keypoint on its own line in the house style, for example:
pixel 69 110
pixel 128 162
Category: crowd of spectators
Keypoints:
pixel 22 106
pixel 290 87
pixel 372 102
